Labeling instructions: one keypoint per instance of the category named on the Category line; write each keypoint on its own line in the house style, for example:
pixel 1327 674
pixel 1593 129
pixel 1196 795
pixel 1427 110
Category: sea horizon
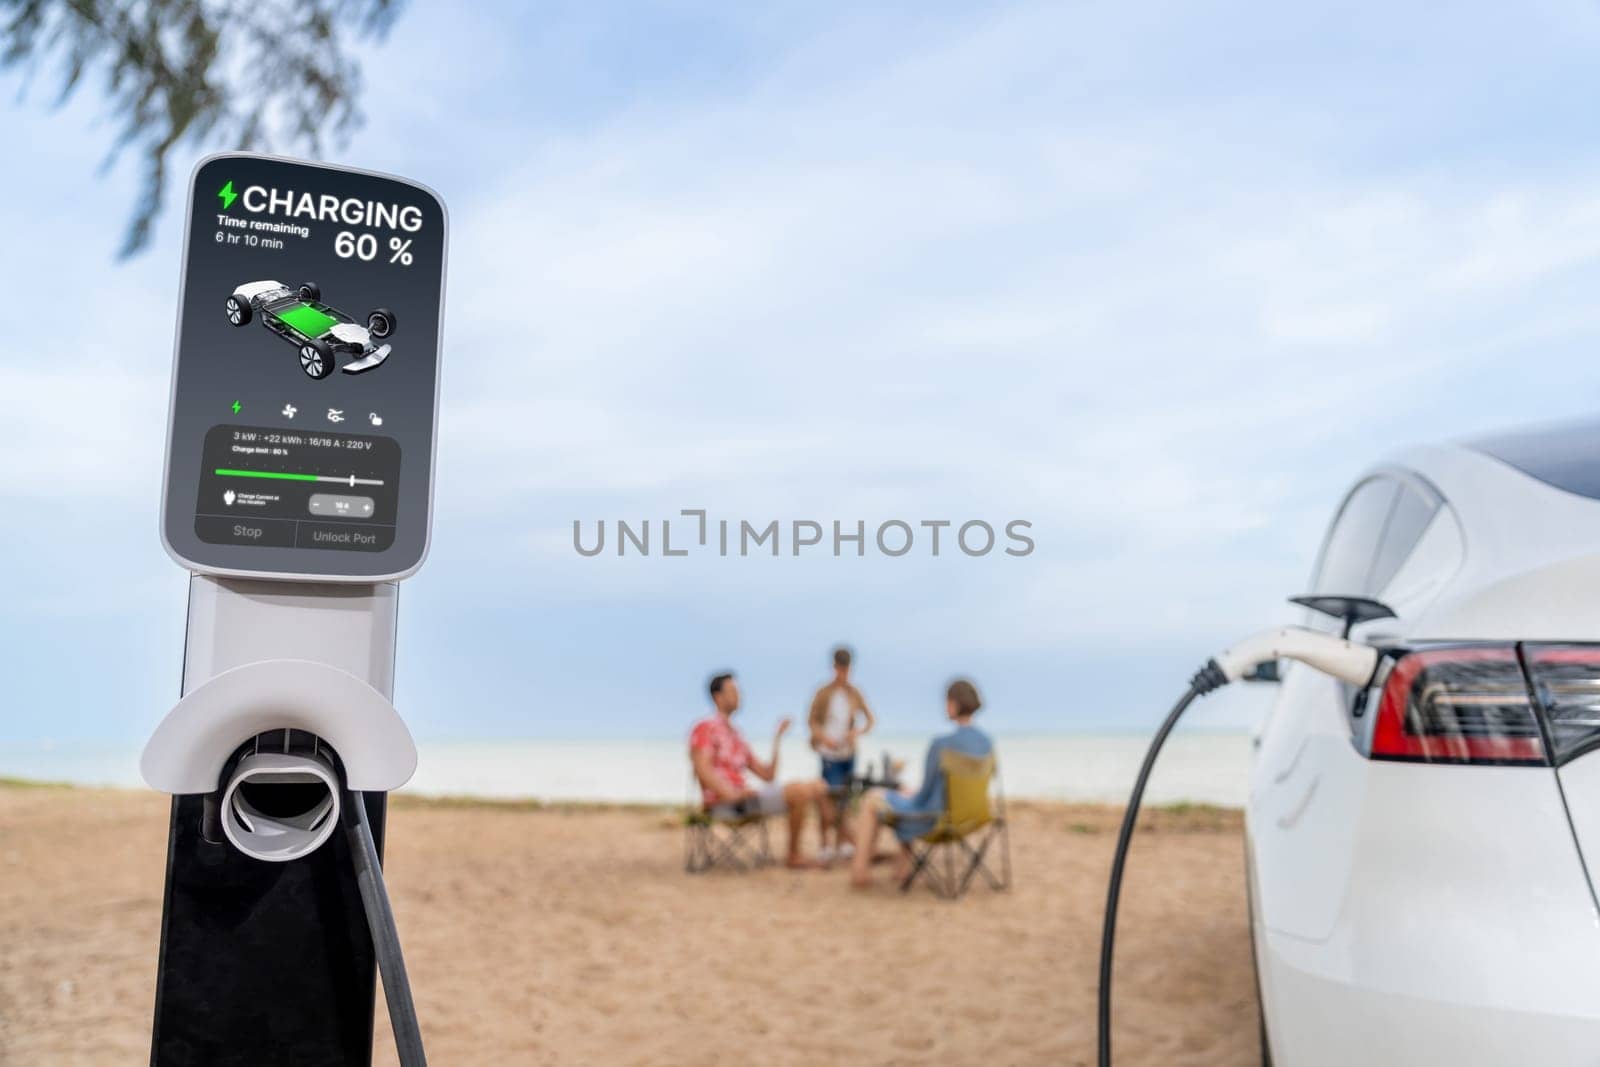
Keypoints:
pixel 1204 765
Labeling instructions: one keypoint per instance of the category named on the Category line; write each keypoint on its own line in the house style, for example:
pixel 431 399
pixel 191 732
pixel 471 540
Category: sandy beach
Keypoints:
pixel 541 935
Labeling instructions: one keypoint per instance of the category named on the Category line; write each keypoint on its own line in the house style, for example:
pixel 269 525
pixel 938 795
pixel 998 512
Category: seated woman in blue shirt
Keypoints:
pixel 916 813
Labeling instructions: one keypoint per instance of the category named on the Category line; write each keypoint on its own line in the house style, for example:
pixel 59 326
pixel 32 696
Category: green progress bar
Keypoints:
pixel 224 472
pixel 283 476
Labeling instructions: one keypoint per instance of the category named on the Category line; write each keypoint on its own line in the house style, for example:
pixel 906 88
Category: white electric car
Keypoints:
pixel 1423 854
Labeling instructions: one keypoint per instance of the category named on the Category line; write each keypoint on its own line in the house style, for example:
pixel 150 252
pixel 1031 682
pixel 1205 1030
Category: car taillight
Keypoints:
pixel 1566 679
pixel 1457 705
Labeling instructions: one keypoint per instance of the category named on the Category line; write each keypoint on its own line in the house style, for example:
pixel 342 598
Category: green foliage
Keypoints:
pixel 263 75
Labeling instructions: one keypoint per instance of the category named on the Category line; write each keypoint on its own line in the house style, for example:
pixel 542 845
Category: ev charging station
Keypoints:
pixel 298 492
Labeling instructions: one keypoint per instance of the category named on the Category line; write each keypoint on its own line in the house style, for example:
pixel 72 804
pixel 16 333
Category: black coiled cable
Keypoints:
pixel 1205 680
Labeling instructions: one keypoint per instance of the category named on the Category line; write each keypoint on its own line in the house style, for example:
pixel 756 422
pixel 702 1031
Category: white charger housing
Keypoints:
pixel 265 658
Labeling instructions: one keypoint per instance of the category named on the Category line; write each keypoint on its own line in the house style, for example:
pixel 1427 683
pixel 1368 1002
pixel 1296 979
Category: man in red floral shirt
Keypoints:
pixel 721 756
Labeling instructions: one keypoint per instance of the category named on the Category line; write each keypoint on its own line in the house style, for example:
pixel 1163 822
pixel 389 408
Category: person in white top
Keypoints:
pixel 839 717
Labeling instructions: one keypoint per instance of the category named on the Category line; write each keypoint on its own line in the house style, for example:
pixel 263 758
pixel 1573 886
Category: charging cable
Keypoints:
pixel 1349 662
pixel 385 936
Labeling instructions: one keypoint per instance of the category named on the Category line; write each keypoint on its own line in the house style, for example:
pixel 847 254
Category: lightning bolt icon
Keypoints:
pixel 236 407
pixel 227 196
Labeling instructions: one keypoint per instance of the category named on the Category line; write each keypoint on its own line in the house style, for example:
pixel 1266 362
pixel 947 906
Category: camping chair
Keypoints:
pixel 959 841
pixel 713 839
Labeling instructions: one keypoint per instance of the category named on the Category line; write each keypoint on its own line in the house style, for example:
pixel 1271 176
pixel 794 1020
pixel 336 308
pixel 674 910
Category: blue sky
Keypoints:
pixel 1161 279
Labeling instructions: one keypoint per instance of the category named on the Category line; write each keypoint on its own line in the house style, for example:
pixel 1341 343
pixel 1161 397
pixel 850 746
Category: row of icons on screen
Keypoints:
pixel 335 415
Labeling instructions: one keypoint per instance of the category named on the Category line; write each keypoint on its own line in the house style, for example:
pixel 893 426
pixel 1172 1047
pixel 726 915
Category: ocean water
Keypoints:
pixel 1198 767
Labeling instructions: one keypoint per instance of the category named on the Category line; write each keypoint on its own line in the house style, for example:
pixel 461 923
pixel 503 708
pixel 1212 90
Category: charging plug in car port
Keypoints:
pixel 1350 663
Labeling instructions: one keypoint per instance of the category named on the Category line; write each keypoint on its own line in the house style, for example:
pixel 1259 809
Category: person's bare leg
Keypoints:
pixel 843 832
pixel 827 816
pixel 797 797
pixel 866 839
pixel 827 812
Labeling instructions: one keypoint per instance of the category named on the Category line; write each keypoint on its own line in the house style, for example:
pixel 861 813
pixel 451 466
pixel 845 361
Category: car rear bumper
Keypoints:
pixel 1409 914
pixel 1315 1018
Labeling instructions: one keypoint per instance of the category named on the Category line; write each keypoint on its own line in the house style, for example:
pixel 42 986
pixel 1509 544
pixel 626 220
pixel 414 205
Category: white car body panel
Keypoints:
pixel 1409 970
pixel 1407 913
pixel 350 333
pixel 1426 572
pixel 1580 781
pixel 251 290
pixel 1532 567
pixel 1296 801
pixel 368 361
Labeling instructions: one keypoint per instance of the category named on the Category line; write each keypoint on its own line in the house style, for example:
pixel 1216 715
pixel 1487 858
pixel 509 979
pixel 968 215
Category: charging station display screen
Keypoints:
pixel 306 374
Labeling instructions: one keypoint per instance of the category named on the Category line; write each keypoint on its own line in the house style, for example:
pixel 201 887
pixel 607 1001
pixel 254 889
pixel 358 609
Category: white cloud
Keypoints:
pixel 881 298
pixel 1081 267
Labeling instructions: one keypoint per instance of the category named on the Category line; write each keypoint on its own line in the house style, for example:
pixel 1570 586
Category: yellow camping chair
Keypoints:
pixel 715 839
pixel 959 841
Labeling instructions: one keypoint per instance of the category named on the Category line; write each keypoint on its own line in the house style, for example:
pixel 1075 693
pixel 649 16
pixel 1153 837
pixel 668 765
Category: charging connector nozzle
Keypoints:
pixel 1336 656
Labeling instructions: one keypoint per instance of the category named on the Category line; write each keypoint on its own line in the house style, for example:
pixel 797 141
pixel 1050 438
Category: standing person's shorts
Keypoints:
pixel 838 772
pixel 768 800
